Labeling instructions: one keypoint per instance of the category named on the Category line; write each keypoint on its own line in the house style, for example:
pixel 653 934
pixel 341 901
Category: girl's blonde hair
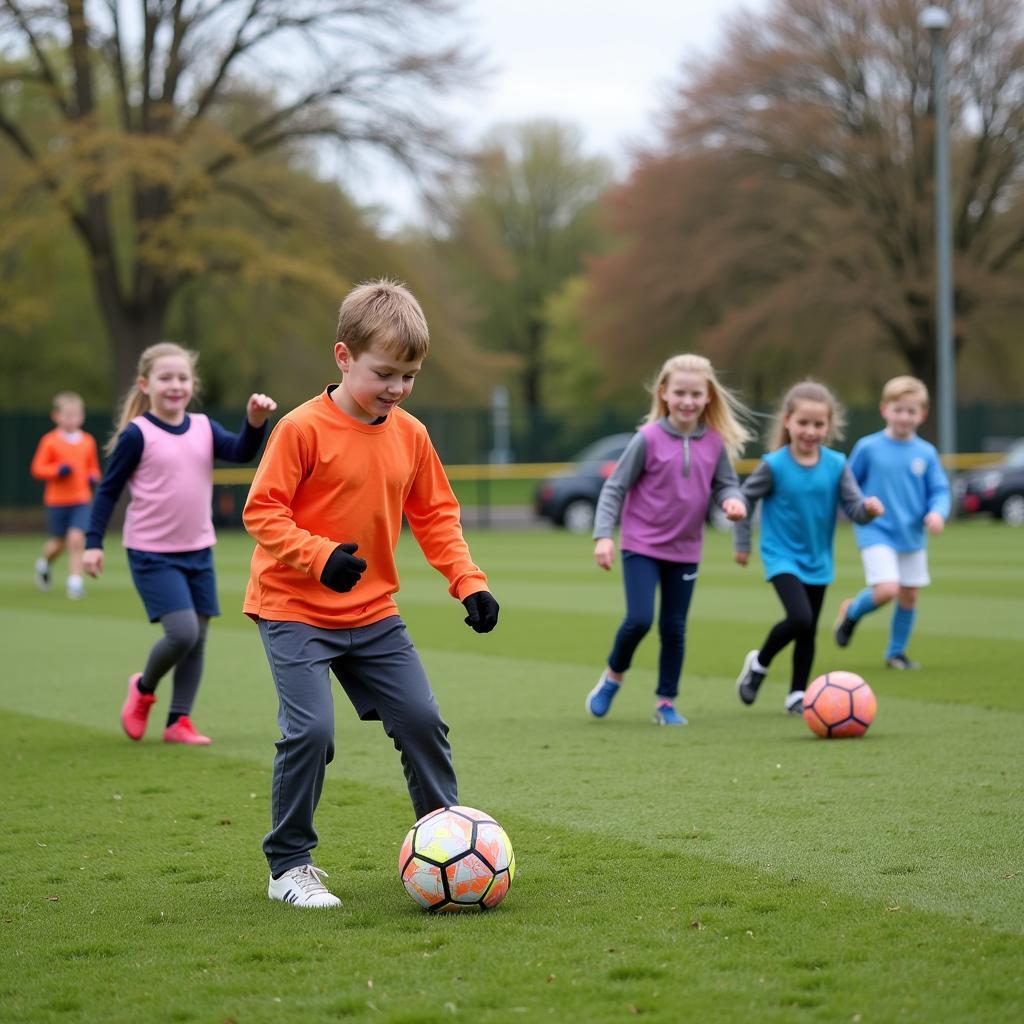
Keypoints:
pixel 807 391
pixel 135 402
pixel 724 411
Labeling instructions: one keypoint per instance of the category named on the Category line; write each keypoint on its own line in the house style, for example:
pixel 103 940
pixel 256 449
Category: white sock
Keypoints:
pixel 74 582
pixel 42 564
pixel 758 667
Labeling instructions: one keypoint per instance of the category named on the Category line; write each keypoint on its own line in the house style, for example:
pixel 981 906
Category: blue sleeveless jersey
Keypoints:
pixel 798 519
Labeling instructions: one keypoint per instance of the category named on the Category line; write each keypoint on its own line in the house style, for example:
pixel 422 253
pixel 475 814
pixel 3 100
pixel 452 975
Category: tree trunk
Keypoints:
pixel 532 365
pixel 922 359
pixel 131 326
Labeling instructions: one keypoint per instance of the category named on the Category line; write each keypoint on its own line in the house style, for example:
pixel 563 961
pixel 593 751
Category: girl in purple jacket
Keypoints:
pixel 677 465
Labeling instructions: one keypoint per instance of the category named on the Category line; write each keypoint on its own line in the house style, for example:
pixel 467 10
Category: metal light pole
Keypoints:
pixel 937 21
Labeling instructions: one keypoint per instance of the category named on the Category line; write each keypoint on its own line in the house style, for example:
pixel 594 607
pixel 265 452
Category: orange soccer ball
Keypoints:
pixel 839 704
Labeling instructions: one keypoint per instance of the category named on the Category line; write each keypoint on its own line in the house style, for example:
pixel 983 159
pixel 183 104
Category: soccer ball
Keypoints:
pixel 457 858
pixel 839 704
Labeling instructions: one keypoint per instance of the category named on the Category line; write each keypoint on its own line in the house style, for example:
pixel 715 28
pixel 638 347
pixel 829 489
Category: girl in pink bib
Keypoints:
pixel 165 456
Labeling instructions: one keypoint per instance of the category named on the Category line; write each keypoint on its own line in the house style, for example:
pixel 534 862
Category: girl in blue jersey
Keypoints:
pixel 801 484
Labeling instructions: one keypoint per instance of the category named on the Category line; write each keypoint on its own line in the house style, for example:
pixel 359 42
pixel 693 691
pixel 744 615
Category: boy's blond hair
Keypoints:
pixel 383 311
pixel 900 387
pixel 135 402
pixel 807 391
pixel 724 411
pixel 66 397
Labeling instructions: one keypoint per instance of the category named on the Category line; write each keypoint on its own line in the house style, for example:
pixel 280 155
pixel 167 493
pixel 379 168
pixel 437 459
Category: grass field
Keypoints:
pixel 736 870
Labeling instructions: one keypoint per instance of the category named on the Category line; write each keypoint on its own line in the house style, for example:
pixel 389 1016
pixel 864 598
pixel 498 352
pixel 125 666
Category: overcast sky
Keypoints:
pixel 605 65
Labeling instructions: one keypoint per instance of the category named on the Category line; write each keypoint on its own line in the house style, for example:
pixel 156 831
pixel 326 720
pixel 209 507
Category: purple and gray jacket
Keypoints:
pixel 661 489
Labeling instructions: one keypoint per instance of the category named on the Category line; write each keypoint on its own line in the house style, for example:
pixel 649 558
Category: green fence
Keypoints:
pixel 466 438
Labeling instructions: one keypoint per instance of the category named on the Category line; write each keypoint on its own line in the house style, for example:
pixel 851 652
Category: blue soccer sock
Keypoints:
pixel 899 634
pixel 863 604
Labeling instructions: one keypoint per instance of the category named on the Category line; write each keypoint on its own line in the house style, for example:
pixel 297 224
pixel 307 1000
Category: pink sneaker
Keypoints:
pixel 183 731
pixel 135 710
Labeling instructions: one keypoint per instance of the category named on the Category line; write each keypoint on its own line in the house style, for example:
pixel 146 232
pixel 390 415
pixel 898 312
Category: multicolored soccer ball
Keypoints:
pixel 457 858
pixel 839 704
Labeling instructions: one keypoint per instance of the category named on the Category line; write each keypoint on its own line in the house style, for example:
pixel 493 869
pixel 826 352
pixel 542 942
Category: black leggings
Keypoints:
pixel 802 602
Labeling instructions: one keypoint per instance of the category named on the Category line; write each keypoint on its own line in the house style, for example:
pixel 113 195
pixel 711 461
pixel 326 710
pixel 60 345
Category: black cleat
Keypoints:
pixel 749 680
pixel 902 662
pixel 842 631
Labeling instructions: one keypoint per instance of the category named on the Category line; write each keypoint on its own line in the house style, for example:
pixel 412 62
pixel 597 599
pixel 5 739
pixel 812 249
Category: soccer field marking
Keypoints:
pixel 136 880
pixel 741 779
pixel 963 875
pixel 943 613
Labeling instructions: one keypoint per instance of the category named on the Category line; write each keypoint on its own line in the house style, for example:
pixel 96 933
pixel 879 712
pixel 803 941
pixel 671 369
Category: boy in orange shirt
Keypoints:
pixel 66 460
pixel 338 474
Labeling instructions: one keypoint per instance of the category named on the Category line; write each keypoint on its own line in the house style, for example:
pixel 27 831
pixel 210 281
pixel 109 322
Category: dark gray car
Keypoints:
pixel 569 498
pixel 995 490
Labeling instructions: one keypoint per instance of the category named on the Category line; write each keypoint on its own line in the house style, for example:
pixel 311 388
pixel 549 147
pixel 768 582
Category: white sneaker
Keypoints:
pixel 42 574
pixel 301 887
pixel 795 702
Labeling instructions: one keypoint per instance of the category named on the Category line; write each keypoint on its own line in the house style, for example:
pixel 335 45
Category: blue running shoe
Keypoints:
pixel 666 714
pixel 599 700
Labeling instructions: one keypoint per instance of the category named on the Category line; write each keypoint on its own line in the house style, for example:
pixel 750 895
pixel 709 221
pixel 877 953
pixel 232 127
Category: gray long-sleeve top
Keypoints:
pixel 691 471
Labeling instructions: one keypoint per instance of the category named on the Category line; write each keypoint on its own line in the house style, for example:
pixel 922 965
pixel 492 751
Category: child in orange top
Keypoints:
pixel 338 474
pixel 66 459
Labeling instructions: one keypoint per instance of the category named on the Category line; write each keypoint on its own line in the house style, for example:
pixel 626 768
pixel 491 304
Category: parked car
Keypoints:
pixel 569 498
pixel 997 490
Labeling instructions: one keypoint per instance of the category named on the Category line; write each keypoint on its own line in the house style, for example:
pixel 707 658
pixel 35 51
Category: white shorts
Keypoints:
pixel 883 564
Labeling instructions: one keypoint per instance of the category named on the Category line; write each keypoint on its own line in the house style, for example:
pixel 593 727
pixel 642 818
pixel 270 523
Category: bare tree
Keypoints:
pixel 150 119
pixel 788 220
pixel 520 225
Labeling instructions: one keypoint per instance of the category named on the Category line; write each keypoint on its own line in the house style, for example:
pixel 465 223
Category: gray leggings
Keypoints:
pixel 182 648
pixel 381 674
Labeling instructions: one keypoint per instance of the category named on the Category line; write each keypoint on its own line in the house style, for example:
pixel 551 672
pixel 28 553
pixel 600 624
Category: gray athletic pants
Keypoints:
pixel 381 673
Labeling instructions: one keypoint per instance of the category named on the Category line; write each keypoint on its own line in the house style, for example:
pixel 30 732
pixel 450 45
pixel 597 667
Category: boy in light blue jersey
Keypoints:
pixel 905 472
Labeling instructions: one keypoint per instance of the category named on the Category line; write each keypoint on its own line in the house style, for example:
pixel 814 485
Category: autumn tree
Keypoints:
pixel 267 330
pixel 518 227
pixel 785 225
pixel 136 120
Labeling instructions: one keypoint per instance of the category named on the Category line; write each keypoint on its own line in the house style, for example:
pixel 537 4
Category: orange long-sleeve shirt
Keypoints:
pixel 327 479
pixel 55 450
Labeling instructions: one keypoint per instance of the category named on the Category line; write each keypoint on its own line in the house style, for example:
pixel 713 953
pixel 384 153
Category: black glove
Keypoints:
pixel 483 611
pixel 343 569
pixel 63 470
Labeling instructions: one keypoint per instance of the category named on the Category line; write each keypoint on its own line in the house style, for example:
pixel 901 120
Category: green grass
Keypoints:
pixel 496 492
pixel 738 869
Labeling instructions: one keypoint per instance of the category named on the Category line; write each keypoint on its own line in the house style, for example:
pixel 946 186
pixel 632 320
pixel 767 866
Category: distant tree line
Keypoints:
pixel 166 179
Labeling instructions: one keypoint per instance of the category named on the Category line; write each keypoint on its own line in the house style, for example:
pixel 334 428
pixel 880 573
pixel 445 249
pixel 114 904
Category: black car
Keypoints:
pixel 569 498
pixel 996 490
